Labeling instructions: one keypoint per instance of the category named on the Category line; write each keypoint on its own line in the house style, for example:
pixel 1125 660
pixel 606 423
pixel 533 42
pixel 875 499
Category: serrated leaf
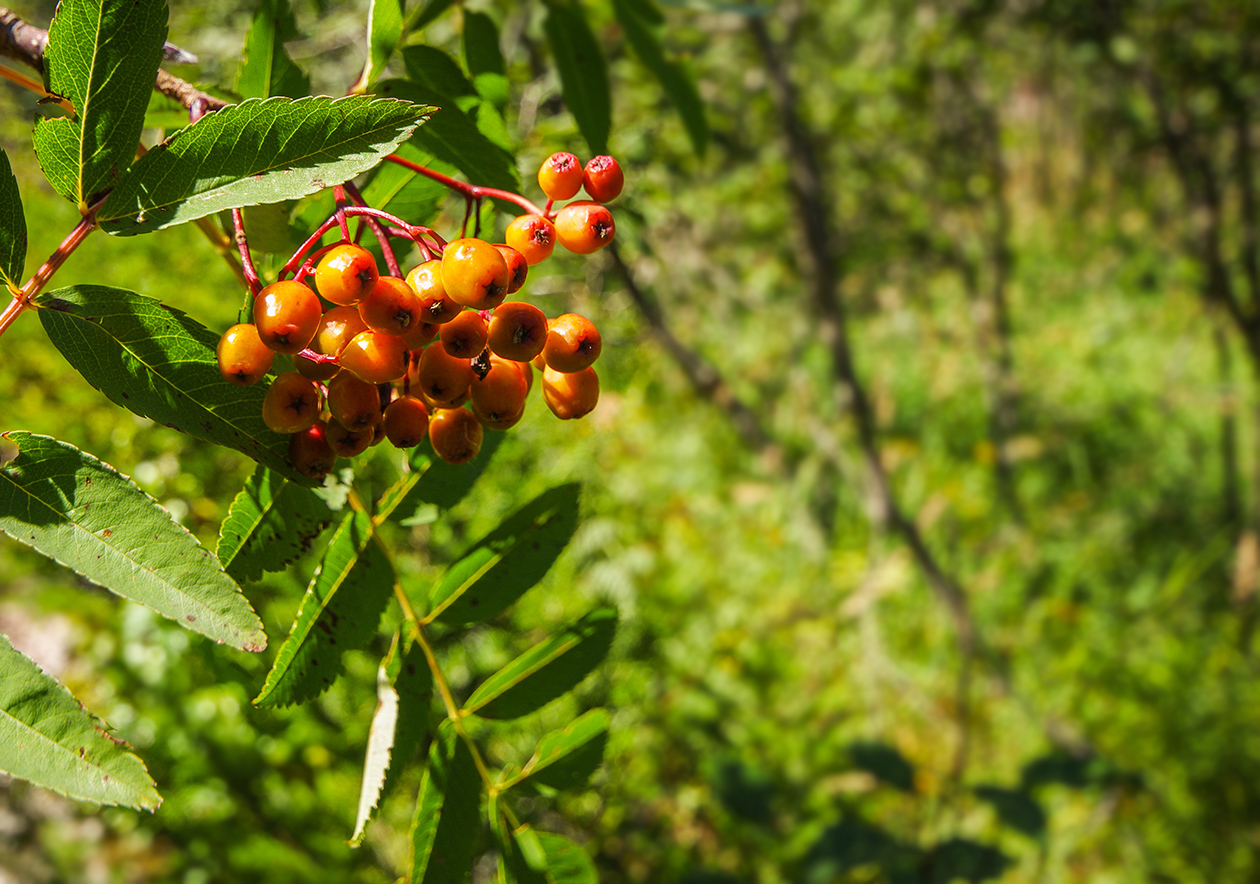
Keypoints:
pixel 484 58
pixel 565 759
pixel 434 481
pixel 453 137
pixel 404 685
pixel 444 833
pixel 271 522
pixel 259 151
pixel 638 19
pixel 160 363
pixel 504 564
pixel 384 32
pixel 548 669
pixel 12 226
pixel 340 611
pixel 402 192
pixel 49 739
pixel 266 68
pixel 583 71
pixel 167 113
pixel 80 512
pixel 97 52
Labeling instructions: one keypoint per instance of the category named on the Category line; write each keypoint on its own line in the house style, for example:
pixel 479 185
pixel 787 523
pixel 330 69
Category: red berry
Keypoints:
pixel 243 358
pixel 533 236
pixel 560 176
pixel 346 274
pixel 584 227
pixel 603 179
pixel 287 314
pixel 518 267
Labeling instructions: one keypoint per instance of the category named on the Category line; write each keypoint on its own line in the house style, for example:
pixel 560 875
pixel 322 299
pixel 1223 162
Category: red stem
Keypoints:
pixel 242 245
pixel 390 259
pixel 470 191
pixel 33 286
pixel 339 197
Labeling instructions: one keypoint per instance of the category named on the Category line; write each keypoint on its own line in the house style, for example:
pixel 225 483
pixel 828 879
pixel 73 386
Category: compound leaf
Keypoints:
pixel 639 19
pixel 80 512
pixel 404 686
pixel 505 563
pixel 583 71
pixel 49 739
pixel 12 227
pixel 384 33
pixel 266 68
pixel 444 834
pixel 547 670
pixel 565 759
pixel 271 522
pixel 160 363
pixel 259 151
pixel 97 52
pixel 340 611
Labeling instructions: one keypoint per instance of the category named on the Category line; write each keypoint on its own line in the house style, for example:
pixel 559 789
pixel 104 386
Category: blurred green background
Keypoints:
pixel 1040 219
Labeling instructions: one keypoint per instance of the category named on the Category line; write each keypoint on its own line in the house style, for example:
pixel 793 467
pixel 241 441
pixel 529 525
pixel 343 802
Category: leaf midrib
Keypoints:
pixel 564 647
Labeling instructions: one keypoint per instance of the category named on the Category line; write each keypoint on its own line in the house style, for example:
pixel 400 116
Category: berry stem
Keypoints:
pixel 242 246
pixel 295 260
pixel 470 191
pixel 377 231
pixel 33 286
pixel 339 197
pixel 317 357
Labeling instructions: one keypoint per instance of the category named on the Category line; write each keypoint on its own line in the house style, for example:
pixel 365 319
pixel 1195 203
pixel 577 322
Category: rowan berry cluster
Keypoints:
pixel 437 352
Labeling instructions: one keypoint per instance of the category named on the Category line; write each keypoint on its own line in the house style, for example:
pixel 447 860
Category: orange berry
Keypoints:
pixel 292 403
pixel 286 314
pixel 474 273
pixel 573 343
pixel 426 281
pixel 418 335
pixel 406 422
pixel 465 335
pixel 518 267
pixel 337 328
pixel 353 403
pixel 584 227
pixel 349 443
pixel 392 307
pixel 603 179
pixel 316 371
pixel 375 357
pixel 560 176
pixel 517 331
pixel 442 377
pixel 346 274
pixel 455 435
pixel 310 452
pixel 498 399
pixel 570 394
pixel 533 236
pixel 243 358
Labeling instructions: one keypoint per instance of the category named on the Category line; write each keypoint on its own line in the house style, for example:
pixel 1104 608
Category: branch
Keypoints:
pixel 26 43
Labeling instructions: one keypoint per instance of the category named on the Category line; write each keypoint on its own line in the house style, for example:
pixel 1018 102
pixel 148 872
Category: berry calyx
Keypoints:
pixel 533 236
pixel 560 176
pixel 243 358
pixel 392 307
pixel 603 179
pixel 474 273
pixel 455 435
pixel 346 274
pixel 286 314
pixel 406 422
pixel 426 281
pixel 310 453
pixel 570 395
pixel 518 267
pixel 465 335
pixel 375 357
pixel 292 403
pixel 584 227
pixel 517 331
pixel 573 343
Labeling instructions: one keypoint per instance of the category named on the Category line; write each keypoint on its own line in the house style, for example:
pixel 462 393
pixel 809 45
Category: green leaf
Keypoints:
pixel 160 363
pixel 404 685
pixel 384 32
pixel 12 227
pixel 583 71
pixel 434 69
pixel 48 738
pixel 425 14
pixel 271 522
pixel 97 53
pixel 80 512
pixel 484 58
pixel 565 759
pixel 167 113
pixel 408 195
pixel 340 611
pixel 567 863
pixel 266 68
pixel 453 137
pixel 434 481
pixel 259 151
pixel 639 19
pixel 547 670
pixel 521 857
pixel 505 563
pixel 267 227
pixel 444 834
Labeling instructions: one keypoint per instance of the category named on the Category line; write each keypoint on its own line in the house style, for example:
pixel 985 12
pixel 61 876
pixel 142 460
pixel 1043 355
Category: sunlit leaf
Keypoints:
pixel 49 739
pixel 565 759
pixel 384 31
pixel 80 512
pixel 266 68
pixel 547 670
pixel 271 522
pixel 160 363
